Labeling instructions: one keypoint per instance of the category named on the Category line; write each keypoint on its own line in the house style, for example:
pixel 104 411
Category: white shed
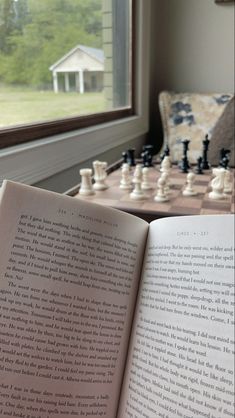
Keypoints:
pixel 85 64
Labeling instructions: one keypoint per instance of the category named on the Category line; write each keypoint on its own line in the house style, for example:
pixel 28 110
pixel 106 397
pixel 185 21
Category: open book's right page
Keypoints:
pixel 181 355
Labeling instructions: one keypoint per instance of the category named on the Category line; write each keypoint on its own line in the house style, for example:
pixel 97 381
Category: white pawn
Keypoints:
pixel 161 196
pixel 189 190
pixel 99 176
pixel 165 175
pixel 86 188
pixel 145 185
pixel 138 172
pixel 137 193
pixel 217 184
pixel 125 182
pixel 227 184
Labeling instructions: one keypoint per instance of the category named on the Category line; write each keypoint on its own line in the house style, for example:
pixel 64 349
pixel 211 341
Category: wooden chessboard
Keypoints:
pixel 178 204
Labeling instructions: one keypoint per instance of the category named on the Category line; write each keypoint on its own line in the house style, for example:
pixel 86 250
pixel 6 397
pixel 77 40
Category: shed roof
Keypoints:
pixel 95 53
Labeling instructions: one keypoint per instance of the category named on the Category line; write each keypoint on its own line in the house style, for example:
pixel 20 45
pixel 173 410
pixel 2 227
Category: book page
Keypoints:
pixel 182 349
pixel 68 284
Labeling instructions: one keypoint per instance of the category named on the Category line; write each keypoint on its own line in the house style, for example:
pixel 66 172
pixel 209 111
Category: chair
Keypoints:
pixel 190 116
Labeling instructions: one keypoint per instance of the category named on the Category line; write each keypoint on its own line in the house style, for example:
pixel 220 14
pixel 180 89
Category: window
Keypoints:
pixel 64 64
pixel 53 155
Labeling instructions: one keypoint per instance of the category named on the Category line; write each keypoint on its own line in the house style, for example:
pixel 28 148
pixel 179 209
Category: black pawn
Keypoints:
pixel 205 164
pixel 198 169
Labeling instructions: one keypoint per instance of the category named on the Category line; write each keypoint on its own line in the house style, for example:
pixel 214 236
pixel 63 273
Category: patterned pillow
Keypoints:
pixel 223 136
pixel 189 116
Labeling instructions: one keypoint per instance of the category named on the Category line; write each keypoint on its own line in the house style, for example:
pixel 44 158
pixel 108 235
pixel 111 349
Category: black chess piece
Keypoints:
pixel 131 157
pixel 149 148
pixel 224 158
pixel 146 159
pixel 184 164
pixel 124 156
pixel 198 169
pixel 205 163
pixel 148 152
pixel 166 153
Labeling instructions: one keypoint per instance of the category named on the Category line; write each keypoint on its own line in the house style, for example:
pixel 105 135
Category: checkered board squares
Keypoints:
pixel 177 204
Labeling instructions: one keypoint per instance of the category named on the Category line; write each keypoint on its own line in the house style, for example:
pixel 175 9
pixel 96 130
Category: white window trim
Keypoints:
pixel 37 160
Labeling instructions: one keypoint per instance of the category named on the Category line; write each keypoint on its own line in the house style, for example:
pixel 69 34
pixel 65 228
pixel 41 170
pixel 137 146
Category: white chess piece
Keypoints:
pixel 86 188
pixel 189 190
pixel 166 169
pixel 104 167
pixel 161 196
pixel 165 164
pixel 137 193
pixel 125 182
pixel 145 185
pixel 138 172
pixel 99 175
pixel 217 184
pixel 227 183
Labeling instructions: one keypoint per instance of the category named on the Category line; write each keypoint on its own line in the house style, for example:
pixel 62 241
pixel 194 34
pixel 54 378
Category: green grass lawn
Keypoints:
pixel 18 106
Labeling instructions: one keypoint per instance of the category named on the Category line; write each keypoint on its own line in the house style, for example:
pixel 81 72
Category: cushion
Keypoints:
pixel 223 136
pixel 189 116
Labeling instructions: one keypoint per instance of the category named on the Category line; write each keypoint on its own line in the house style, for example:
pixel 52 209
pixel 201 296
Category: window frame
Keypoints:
pixel 15 135
pixel 31 132
pixel 33 161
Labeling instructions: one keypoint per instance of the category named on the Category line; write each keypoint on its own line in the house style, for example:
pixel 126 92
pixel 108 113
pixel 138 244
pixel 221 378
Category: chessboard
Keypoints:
pixel 177 205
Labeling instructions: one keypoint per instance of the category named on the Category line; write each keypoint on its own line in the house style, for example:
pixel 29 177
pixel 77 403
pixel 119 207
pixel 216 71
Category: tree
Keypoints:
pixel 37 33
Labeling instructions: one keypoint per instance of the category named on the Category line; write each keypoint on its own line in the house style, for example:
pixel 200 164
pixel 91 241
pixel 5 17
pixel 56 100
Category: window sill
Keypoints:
pixel 35 161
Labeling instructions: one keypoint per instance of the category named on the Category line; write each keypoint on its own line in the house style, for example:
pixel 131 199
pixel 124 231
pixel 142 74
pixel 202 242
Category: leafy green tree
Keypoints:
pixel 40 32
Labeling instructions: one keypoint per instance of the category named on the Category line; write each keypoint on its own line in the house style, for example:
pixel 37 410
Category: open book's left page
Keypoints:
pixel 69 274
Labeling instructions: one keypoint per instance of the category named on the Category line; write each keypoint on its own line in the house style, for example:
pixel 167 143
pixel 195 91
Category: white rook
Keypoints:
pixel 86 188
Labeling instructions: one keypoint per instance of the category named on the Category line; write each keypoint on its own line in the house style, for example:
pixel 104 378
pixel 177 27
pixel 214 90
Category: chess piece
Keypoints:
pixel 86 188
pixel 146 158
pixel 189 190
pixel 99 176
pixel 137 193
pixel 138 172
pixel 198 169
pixel 125 182
pixel 145 185
pixel 224 158
pixel 131 157
pixel 161 196
pixel 166 153
pixel 205 164
pixel 104 167
pixel 184 164
pixel 149 148
pixel 217 184
pixel 165 169
pixel 147 155
pixel 125 157
pixel 165 165
pixel 227 183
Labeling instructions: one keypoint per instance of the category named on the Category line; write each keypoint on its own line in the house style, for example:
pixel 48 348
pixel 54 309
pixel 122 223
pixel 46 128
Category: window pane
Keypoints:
pixel 63 58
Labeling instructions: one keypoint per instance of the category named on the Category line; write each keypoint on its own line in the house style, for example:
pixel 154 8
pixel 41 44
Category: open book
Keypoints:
pixel 104 315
